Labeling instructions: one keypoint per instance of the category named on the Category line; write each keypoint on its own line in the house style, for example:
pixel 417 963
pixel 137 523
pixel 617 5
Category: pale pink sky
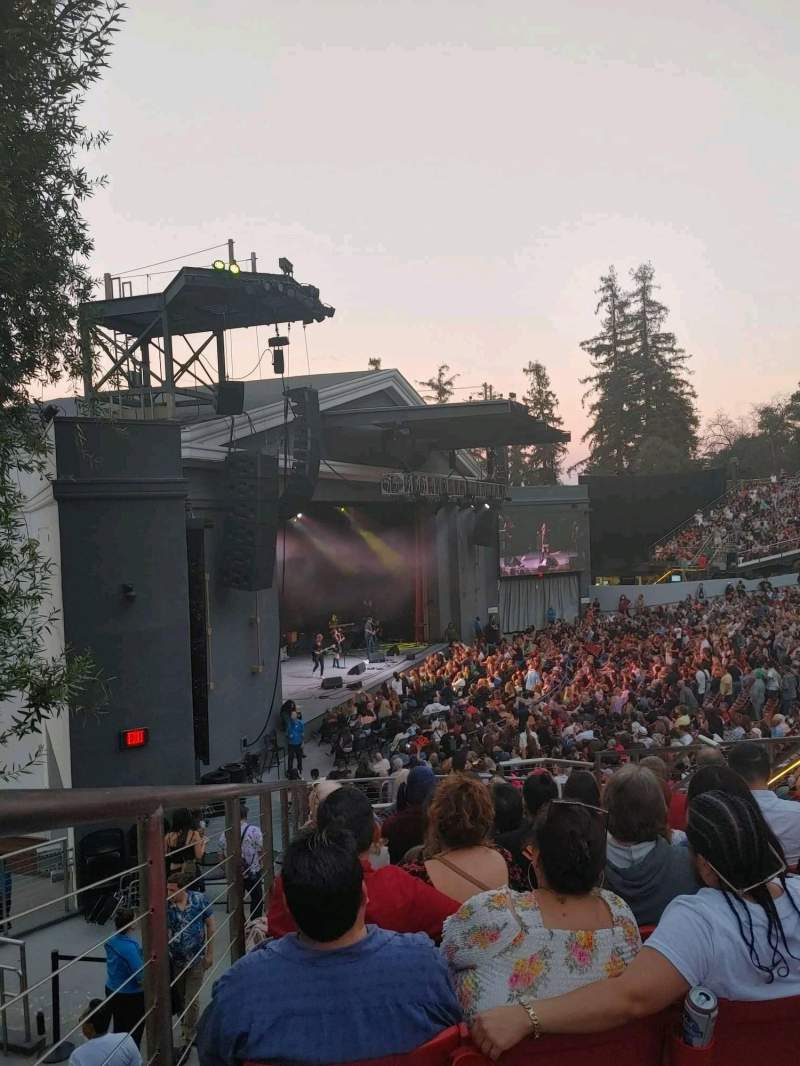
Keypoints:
pixel 455 176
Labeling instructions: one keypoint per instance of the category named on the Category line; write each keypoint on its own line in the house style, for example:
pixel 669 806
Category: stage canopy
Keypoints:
pixel 198 300
pixel 487 423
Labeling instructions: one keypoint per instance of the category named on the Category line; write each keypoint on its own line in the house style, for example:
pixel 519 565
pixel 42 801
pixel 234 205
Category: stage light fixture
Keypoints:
pixel 299 514
pixel 234 268
pixel 486 507
pixel 219 264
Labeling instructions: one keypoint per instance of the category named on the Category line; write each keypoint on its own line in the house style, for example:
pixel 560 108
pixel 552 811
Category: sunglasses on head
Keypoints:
pixel 580 803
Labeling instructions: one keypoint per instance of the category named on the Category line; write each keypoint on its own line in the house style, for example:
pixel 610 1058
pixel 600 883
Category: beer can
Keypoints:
pixel 700 1010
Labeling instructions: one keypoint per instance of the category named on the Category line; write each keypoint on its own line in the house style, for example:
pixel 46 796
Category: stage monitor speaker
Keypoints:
pixel 230 398
pixel 306 438
pixel 394 650
pixel 331 682
pixel 354 686
pixel 410 656
pixel 359 668
pixel 251 524
pixel 377 657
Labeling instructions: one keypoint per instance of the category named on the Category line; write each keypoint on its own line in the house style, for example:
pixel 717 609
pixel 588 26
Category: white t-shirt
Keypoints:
pixel 783 818
pixel 700 936
pixel 113 1049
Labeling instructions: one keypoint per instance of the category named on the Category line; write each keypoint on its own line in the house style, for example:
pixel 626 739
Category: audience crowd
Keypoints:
pixel 751 519
pixel 510 900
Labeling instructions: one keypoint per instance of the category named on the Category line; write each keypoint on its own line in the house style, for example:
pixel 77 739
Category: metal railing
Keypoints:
pixel 141 885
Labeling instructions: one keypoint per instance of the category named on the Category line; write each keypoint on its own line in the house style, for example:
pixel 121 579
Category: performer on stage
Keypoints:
pixel 318 655
pixel 371 635
pixel 338 643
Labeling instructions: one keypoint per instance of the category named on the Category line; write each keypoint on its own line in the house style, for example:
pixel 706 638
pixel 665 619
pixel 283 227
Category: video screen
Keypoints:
pixel 541 538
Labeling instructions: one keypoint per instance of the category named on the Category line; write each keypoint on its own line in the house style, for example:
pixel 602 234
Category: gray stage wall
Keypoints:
pixel 244 657
pixel 121 499
pixel 463 580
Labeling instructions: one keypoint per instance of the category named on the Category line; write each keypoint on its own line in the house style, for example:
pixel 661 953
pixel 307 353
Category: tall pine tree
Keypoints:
pixel 544 460
pixel 614 419
pixel 538 464
pixel 440 388
pixel 667 437
pixel 641 405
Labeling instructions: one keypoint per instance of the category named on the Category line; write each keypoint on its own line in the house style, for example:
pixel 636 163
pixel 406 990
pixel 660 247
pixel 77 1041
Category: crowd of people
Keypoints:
pixel 508 901
pixel 751 519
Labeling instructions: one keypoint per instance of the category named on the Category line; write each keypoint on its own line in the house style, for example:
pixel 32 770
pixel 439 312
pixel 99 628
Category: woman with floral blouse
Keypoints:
pixel 503 945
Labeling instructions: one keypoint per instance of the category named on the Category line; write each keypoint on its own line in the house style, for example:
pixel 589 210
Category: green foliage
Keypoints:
pixel 538 464
pixel 766 443
pixel 640 401
pixel 441 387
pixel 52 52
pixel 374 362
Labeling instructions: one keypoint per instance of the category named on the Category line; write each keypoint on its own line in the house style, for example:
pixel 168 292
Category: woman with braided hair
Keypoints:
pixel 738 936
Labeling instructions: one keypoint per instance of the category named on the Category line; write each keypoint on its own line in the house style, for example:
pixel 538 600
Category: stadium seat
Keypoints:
pixel 639 1043
pixel 646 931
pixel 745 1033
pixel 437 1052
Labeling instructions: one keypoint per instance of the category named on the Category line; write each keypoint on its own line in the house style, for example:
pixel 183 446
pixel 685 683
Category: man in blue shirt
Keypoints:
pixel 295 733
pixel 103 1048
pixel 337 991
pixel 124 967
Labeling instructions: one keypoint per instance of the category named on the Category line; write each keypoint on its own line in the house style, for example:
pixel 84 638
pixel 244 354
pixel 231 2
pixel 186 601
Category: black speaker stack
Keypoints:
pixel 306 428
pixel 251 524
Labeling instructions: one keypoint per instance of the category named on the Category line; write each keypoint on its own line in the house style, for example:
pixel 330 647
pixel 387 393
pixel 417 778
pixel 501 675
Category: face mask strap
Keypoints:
pixel 764 881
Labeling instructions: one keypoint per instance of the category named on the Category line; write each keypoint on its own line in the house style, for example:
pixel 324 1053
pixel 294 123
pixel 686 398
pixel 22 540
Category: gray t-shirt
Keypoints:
pixel 700 936
pixel 113 1049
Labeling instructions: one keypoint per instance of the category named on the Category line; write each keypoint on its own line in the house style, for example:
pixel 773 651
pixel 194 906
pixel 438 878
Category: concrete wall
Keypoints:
pixel 122 518
pixel 674 591
pixel 244 668
pixel 40 516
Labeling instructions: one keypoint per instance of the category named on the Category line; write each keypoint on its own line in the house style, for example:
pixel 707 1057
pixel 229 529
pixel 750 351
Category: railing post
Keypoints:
pixel 285 837
pixel 155 939
pixel 67 874
pixel 268 855
pixel 233 863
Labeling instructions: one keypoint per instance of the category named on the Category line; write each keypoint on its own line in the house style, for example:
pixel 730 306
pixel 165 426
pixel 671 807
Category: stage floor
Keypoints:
pixel 305 689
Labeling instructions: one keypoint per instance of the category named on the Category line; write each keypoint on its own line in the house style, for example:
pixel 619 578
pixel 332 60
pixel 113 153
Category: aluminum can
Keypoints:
pixel 700 1010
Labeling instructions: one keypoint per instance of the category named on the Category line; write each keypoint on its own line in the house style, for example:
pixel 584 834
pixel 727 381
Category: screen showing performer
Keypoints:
pixel 542 538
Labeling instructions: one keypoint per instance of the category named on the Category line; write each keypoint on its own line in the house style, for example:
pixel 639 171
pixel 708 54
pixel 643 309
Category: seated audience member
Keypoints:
pixel 582 786
pixel 336 991
pixel 458 857
pixel 642 866
pixel 103 1048
pixel 507 808
pixel 395 899
pixel 539 788
pixel 751 761
pixel 565 933
pixel 406 829
pixel 739 936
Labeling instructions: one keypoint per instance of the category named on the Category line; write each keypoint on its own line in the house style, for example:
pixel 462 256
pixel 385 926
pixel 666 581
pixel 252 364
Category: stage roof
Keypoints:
pixel 485 423
pixel 199 300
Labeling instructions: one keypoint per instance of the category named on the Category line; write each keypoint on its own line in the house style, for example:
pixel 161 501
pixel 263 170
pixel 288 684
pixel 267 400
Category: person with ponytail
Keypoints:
pixel 739 936
pixel 502 945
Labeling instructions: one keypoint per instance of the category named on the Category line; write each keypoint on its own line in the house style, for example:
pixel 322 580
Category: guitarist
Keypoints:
pixel 318 654
pixel 338 644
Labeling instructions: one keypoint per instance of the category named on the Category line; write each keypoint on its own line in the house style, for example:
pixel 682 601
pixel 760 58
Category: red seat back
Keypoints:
pixel 639 1043
pixel 437 1052
pixel 747 1033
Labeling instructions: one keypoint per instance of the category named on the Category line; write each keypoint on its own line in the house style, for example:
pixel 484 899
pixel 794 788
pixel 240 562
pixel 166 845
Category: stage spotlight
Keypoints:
pixel 234 268
pixel 219 264
pixel 299 514
pixel 486 507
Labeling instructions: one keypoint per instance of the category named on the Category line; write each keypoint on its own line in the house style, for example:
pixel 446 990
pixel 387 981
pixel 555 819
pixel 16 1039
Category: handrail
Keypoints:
pixel 30 809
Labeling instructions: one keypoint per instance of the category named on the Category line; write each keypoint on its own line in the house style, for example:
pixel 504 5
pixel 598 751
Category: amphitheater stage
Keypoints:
pixel 300 685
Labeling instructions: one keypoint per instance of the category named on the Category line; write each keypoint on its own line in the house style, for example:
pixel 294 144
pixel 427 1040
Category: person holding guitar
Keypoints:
pixel 338 645
pixel 318 654
pixel 371 635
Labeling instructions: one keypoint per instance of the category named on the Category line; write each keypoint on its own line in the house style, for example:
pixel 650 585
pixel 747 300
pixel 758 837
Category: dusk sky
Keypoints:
pixel 455 177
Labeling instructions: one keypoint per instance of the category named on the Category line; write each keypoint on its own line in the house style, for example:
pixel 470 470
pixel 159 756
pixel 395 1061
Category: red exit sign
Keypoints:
pixel 134 738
